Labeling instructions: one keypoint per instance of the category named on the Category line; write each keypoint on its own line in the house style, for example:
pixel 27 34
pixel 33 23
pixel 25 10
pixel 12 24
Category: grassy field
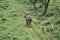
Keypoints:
pixel 12 23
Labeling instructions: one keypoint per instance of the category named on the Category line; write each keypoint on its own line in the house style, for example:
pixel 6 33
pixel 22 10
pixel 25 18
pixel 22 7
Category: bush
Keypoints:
pixel 58 22
pixel 3 19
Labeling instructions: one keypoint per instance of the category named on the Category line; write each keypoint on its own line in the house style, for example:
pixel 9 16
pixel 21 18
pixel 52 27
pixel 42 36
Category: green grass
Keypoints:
pixel 12 27
pixel 12 24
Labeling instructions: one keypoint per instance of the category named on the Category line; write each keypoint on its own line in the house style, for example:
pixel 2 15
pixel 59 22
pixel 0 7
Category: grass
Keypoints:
pixel 12 26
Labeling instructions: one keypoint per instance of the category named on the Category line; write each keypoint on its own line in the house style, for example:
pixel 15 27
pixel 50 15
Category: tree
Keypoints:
pixel 45 3
pixel 33 3
pixel 46 7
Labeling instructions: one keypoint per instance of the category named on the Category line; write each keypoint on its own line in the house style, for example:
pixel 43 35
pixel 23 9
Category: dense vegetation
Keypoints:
pixel 12 23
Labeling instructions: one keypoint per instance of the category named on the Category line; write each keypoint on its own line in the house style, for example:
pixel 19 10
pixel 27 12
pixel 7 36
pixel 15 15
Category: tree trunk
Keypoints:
pixel 34 3
pixel 54 1
pixel 34 6
pixel 46 7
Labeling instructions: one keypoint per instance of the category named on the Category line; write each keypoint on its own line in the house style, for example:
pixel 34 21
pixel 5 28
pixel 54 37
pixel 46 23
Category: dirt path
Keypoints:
pixel 15 7
pixel 49 38
pixel 31 30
